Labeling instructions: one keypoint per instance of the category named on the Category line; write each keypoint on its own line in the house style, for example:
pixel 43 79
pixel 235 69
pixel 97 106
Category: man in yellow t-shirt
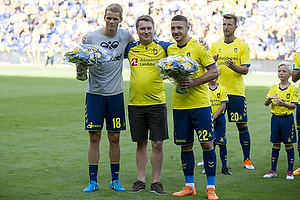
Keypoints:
pixel 147 108
pixel 233 57
pixel 192 110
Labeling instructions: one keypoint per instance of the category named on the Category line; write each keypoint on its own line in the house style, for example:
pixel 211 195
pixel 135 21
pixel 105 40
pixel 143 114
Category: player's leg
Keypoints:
pixel 221 141
pixel 289 138
pixel 93 159
pixel 274 160
pixel 203 123
pixel 184 137
pixel 188 164
pixel 276 139
pixel 115 122
pixel 114 153
pixel 297 171
pixel 290 159
pixel 245 142
pixel 237 112
pixel 93 123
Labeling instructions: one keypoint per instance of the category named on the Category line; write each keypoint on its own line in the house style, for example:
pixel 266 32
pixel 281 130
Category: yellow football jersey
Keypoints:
pixel 239 51
pixel 197 96
pixel 146 86
pixel 296 66
pixel 217 96
pixel 289 95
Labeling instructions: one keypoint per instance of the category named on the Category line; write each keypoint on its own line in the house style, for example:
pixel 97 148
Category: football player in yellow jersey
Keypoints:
pixel 192 110
pixel 147 108
pixel 295 78
pixel 283 98
pixel 233 58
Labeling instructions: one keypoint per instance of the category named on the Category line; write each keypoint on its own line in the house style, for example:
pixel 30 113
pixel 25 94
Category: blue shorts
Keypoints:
pixel 220 129
pixel 186 121
pixel 236 109
pixel 111 108
pixel 298 116
pixel 283 129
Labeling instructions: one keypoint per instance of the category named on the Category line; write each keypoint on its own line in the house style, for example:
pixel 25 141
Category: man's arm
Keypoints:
pixel 238 69
pixel 219 111
pixel 296 76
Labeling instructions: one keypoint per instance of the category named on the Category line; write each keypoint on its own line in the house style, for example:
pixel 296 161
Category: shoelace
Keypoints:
pixel 186 190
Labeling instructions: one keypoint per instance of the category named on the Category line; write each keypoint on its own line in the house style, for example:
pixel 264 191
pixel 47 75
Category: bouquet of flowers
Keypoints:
pixel 178 67
pixel 87 57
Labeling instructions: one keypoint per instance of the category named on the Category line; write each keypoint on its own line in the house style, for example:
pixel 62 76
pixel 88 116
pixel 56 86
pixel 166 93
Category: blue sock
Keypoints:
pixel 299 145
pixel 245 142
pixel 93 172
pixel 274 159
pixel 188 164
pixel 223 155
pixel 211 180
pixel 114 169
pixel 290 156
pixel 210 162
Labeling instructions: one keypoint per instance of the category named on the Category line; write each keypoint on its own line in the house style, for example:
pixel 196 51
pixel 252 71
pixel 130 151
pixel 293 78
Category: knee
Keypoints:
pixel 142 144
pixel 95 137
pixel 288 146
pixel 207 146
pixel 187 147
pixel 157 145
pixel 241 125
pixel 114 137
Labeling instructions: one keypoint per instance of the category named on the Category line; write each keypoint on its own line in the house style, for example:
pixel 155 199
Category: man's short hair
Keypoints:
pixel 180 18
pixel 115 8
pixel 231 16
pixel 146 18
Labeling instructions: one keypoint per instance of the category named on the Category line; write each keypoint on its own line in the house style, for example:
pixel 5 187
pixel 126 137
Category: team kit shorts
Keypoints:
pixel 220 129
pixel 283 129
pixel 186 121
pixel 236 109
pixel 110 108
pixel 145 118
pixel 298 117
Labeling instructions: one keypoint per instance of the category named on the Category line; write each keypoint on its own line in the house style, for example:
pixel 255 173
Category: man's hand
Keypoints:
pixel 203 42
pixel 83 39
pixel 185 83
pixel 215 57
pixel 229 63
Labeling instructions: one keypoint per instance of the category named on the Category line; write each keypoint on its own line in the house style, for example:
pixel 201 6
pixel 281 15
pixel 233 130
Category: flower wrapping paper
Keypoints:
pixel 178 67
pixel 87 57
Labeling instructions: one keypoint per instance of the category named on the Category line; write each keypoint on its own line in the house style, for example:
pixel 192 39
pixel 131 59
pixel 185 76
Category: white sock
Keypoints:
pixel 210 186
pixel 192 185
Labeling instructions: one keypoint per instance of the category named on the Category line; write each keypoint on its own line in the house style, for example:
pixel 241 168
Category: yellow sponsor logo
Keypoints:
pixel 180 140
pixel 91 125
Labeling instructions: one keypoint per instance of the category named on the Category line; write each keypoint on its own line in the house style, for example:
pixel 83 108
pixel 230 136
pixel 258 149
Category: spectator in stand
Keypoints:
pixel 48 19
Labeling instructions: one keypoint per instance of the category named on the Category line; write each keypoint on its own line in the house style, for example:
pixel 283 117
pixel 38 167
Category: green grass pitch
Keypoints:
pixel 43 145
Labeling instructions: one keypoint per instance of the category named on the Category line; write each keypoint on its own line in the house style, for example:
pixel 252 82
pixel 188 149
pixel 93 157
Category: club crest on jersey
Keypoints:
pixel 134 62
pixel 235 50
pixel 154 51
